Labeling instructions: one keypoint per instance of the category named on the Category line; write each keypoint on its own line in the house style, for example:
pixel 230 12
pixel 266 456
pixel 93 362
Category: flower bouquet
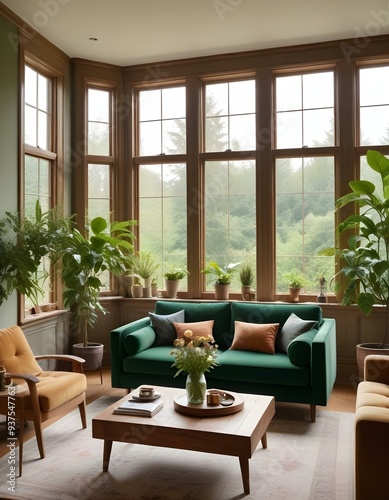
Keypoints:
pixel 195 356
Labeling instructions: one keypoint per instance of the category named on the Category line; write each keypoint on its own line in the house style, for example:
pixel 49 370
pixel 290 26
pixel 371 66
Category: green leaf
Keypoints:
pixel 98 225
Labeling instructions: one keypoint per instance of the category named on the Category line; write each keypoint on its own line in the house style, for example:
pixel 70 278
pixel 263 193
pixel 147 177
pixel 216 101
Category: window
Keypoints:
pixel 373 106
pixel 39 158
pixel 305 184
pixel 229 183
pixel 162 182
pixel 99 148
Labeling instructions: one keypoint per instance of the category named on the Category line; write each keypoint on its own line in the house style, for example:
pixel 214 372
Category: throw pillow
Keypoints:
pixel 198 328
pixel 293 327
pixel 163 326
pixel 254 337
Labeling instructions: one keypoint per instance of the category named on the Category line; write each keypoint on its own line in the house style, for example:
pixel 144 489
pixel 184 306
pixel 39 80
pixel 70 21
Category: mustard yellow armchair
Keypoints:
pixel 50 394
pixel 372 430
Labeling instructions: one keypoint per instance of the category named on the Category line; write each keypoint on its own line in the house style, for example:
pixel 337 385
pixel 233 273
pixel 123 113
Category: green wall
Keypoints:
pixel 8 139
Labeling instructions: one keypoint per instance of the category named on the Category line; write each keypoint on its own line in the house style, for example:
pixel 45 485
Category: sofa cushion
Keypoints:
pixel 165 333
pixel 155 361
pixel 220 312
pixel 198 328
pixel 293 327
pixel 254 337
pixel 259 368
pixel 139 340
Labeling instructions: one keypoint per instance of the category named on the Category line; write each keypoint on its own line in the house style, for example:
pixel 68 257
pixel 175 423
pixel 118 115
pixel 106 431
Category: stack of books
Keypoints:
pixel 142 409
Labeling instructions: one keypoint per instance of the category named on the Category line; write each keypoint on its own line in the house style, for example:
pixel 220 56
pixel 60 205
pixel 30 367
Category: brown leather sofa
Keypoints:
pixel 372 431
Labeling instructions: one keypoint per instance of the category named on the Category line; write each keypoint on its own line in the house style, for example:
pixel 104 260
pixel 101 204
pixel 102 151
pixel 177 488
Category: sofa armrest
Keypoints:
pixel 300 349
pixel 118 351
pixel 139 341
pixel 377 368
pixel 323 364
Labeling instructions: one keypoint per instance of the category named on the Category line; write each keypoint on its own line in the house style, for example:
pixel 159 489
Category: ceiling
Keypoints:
pixel 132 32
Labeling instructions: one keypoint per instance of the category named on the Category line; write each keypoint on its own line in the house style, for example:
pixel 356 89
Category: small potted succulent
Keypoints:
pixel 295 282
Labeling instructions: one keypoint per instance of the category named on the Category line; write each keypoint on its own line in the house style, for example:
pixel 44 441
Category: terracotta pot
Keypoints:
pixel 246 292
pixel 294 294
pixel 136 291
pixel 171 288
pixel 222 292
pixel 93 355
pixel 364 350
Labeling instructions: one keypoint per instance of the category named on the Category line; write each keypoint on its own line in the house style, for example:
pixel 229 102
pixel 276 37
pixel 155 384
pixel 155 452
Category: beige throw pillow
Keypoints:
pixel 199 328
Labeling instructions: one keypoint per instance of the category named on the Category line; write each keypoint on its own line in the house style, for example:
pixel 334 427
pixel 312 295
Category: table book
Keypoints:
pixel 143 409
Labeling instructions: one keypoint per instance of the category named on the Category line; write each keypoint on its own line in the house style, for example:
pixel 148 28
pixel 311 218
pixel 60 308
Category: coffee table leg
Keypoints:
pixel 106 454
pixel 264 440
pixel 244 468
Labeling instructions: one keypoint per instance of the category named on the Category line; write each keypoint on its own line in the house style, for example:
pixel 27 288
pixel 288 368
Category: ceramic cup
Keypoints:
pixel 146 392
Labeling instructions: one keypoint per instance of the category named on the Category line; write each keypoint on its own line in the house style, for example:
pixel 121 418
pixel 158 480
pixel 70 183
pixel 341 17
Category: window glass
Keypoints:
pixel 37 109
pixel 162 215
pixel 305 110
pixel 99 200
pixel 230 214
pixel 374 105
pixel 230 116
pixel 99 122
pixel 304 219
pixel 162 121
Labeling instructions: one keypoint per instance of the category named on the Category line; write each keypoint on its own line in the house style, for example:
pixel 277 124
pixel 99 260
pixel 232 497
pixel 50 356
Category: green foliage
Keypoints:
pixel 24 243
pixel 223 275
pixel 365 263
pixel 175 273
pixel 294 279
pixel 144 265
pixel 246 275
pixel 105 247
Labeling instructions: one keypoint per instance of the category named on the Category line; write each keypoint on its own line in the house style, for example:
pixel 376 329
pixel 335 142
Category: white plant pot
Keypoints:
pixel 222 292
pixel 171 288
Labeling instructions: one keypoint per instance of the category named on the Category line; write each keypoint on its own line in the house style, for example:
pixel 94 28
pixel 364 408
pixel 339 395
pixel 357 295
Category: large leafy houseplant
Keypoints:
pixel 86 259
pixel 365 263
pixel 25 243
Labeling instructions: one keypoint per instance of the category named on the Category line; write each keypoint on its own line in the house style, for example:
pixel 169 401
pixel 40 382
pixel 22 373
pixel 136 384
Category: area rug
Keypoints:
pixel 303 460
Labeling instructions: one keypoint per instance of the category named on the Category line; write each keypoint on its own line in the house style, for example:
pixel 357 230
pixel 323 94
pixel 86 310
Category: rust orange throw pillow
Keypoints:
pixel 199 328
pixel 254 337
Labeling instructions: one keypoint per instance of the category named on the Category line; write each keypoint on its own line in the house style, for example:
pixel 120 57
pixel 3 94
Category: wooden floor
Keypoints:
pixel 342 399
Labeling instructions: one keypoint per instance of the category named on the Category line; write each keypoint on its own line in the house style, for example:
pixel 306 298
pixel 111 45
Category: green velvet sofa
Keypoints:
pixel 305 373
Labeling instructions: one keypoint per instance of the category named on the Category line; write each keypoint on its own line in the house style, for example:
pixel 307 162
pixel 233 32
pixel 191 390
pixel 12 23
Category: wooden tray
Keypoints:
pixel 182 406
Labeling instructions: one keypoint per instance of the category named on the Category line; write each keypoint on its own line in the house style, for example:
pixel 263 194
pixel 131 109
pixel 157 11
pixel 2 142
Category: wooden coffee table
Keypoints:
pixel 236 434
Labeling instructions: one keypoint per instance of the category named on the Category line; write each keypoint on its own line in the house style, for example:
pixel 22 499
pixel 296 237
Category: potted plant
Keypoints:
pixel 365 263
pixel 136 289
pixel 154 287
pixel 25 243
pixel 223 278
pixel 85 261
pixel 295 282
pixel 246 276
pixel 144 267
pixel 172 276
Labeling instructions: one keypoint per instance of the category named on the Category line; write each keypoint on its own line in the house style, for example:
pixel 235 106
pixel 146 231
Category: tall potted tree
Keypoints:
pixel 365 263
pixel 86 259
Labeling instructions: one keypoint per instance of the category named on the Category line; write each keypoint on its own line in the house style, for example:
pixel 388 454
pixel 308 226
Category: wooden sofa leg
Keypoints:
pixel 313 413
pixel 82 409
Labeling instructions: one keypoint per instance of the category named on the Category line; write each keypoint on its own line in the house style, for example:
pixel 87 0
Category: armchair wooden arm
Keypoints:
pixel 76 361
